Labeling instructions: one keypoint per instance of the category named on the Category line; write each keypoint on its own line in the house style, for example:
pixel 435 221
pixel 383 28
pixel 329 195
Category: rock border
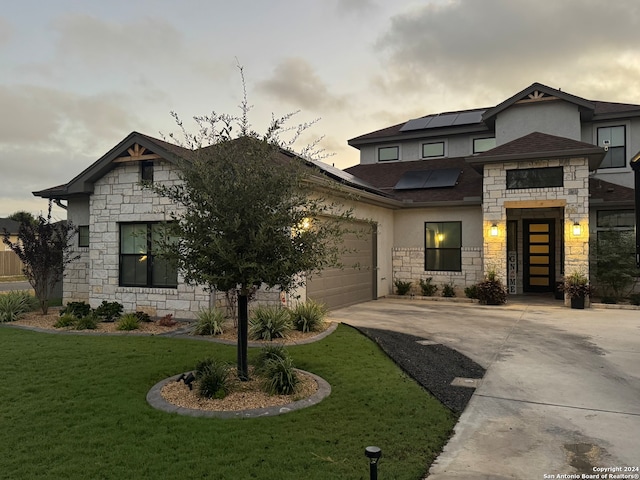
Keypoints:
pixel 155 399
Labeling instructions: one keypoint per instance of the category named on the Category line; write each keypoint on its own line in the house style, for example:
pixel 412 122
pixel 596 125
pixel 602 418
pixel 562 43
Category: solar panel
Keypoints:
pixel 443 120
pixel 413 179
pixel 416 124
pixel 467 118
pixel 446 177
pixel 420 179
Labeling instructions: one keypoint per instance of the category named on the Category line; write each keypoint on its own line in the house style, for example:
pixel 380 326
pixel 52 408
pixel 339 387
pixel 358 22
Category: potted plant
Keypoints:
pixel 577 287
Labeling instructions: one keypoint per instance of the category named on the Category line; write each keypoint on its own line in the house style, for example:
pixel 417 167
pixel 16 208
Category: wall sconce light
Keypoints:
pixel 494 230
pixel 576 229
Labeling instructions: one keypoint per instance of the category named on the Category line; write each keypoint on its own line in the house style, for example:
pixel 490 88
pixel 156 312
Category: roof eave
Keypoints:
pixel 426 133
pixel 594 155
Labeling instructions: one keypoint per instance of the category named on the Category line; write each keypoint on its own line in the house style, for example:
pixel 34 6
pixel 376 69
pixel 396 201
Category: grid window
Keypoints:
pixel 430 150
pixel 83 236
pixel 614 139
pixel 387 154
pixel 443 246
pixel 140 266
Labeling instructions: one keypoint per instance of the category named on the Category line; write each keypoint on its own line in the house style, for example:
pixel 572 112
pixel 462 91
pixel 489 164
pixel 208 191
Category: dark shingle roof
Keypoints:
pixel 607 192
pixel 384 176
pixel 537 143
pixel 9 225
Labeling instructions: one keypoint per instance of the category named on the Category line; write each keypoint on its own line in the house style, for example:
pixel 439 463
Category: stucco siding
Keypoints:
pixel 552 117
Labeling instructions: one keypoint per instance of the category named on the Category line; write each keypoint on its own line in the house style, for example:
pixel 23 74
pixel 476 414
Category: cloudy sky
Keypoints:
pixel 77 76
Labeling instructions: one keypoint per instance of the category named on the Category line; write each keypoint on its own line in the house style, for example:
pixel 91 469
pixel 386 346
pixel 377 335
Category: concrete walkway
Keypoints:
pixel 561 394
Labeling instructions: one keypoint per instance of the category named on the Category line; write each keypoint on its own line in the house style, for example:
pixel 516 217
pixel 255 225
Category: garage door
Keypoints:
pixel 342 287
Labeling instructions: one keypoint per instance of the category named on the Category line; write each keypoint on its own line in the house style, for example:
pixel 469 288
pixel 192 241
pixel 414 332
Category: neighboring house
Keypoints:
pixel 519 188
pixel 10 264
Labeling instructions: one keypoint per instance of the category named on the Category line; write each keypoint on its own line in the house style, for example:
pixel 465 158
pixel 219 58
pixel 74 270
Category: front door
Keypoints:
pixel 539 255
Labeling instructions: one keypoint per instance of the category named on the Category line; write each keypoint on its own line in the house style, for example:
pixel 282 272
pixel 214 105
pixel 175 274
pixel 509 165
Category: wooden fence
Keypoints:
pixel 10 264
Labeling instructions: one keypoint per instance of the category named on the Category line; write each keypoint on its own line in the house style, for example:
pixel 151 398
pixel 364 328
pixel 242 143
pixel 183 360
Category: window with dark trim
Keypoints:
pixel 613 138
pixel 387 154
pixel 83 236
pixel 443 246
pixel 140 266
pixel 483 144
pixel 430 150
pixel 146 171
pixel 535 178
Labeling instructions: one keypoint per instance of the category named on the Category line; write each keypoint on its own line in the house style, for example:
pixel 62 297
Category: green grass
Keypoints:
pixel 74 407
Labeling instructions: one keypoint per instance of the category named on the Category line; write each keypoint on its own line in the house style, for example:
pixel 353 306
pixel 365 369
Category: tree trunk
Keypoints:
pixel 243 334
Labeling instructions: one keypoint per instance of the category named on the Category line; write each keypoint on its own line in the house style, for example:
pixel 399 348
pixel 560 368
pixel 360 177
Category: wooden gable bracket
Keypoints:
pixel 137 154
pixel 537 96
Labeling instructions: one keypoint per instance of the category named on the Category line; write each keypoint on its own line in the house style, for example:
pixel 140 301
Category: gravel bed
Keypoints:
pixel 432 366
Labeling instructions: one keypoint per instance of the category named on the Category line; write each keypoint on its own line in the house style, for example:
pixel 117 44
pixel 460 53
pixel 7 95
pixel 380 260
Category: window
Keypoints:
pixel 146 171
pixel 483 144
pixel 83 236
pixel 433 150
pixel 139 266
pixel 624 219
pixel 616 243
pixel 386 154
pixel 443 246
pixel 614 139
pixel 535 178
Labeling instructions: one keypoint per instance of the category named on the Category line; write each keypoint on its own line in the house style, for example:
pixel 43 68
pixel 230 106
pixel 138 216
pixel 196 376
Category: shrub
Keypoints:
pixel 279 376
pixel 89 322
pixel 108 311
pixel 77 309
pixel 213 378
pixel 309 316
pixel 143 317
pixel 268 352
pixel 402 287
pixel 210 322
pixel 634 299
pixel 428 289
pixel 167 321
pixel 471 292
pixel 66 320
pixel 448 290
pixel 268 322
pixel 128 322
pixel 491 291
pixel 13 304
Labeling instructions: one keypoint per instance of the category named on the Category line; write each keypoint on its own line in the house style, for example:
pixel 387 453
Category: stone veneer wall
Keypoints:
pixel 75 284
pixel 119 198
pixel 574 193
pixel 408 265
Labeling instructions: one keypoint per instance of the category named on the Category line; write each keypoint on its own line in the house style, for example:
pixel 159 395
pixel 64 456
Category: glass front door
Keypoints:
pixel 539 255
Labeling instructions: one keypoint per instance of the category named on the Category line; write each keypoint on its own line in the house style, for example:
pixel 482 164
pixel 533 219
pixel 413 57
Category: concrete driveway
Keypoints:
pixel 561 394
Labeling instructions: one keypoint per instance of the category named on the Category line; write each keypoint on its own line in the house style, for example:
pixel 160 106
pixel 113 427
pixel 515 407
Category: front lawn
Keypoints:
pixel 74 407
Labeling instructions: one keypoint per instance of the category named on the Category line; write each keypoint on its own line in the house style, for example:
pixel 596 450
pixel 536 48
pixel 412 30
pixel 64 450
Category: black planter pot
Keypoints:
pixel 558 293
pixel 577 302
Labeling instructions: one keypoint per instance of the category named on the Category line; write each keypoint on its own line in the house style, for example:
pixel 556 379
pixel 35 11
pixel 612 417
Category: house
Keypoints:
pixel 10 264
pixel 519 188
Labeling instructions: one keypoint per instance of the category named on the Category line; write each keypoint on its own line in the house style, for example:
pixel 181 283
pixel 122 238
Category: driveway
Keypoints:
pixel 561 394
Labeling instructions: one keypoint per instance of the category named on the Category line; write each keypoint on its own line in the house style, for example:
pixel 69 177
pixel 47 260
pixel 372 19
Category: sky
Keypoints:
pixel 77 76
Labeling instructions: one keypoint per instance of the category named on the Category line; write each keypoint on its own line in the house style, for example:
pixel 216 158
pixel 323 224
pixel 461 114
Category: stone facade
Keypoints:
pixel 75 284
pixel 572 200
pixel 408 265
pixel 118 197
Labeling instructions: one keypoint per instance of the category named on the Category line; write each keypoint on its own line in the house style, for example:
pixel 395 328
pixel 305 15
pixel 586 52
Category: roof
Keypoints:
pixel 9 225
pixel 590 110
pixel 601 191
pixel 538 145
pixel 385 176
pixel 83 183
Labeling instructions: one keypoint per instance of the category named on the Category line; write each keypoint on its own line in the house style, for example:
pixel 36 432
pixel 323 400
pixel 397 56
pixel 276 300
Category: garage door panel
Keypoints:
pixel 341 287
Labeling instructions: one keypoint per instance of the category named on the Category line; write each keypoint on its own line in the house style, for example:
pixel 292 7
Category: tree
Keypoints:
pixel 246 216
pixel 43 248
pixel 23 216
pixel 616 270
